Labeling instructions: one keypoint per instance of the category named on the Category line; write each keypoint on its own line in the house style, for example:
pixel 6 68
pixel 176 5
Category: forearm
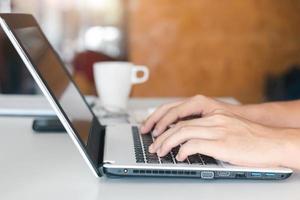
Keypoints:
pixel 276 114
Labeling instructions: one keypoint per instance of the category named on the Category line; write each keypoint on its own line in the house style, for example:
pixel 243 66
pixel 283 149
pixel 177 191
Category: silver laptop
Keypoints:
pixel 117 150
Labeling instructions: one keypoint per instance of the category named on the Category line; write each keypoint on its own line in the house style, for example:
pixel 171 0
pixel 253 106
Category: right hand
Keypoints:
pixel 168 114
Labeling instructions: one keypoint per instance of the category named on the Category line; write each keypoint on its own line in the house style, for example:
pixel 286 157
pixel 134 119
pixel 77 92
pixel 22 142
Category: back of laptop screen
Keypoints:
pixel 52 71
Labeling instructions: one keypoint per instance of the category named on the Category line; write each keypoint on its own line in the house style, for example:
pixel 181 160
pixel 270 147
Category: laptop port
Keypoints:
pixel 240 175
pixel 161 172
pixel 135 171
pixel 142 171
pixel 148 172
pixel 270 175
pixel 207 175
pixel 224 174
pixel 256 174
pixel 155 172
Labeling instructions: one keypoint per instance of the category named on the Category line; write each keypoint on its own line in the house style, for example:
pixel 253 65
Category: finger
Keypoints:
pixel 185 134
pixel 203 121
pixel 155 117
pixel 195 122
pixel 185 109
pixel 206 147
pixel 157 142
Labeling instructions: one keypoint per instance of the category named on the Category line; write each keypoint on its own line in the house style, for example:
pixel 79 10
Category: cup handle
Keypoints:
pixel 137 80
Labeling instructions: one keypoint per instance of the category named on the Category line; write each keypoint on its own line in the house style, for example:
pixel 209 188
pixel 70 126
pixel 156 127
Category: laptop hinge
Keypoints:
pixel 101 145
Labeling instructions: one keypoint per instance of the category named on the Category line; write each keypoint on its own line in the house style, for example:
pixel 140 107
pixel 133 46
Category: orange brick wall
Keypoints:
pixel 217 48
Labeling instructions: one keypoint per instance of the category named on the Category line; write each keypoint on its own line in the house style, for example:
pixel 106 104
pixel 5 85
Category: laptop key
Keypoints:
pixel 152 158
pixel 153 161
pixel 147 141
pixel 138 149
pixel 175 150
pixel 167 159
pixel 140 160
pixel 195 159
pixel 182 162
pixel 208 160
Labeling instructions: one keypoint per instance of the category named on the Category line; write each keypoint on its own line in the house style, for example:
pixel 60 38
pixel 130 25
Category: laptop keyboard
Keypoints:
pixel 142 155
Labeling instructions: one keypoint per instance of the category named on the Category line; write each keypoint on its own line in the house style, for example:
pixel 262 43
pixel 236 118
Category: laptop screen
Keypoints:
pixel 64 91
pixel 53 73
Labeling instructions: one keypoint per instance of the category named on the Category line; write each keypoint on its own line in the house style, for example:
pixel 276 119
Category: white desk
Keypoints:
pixel 48 166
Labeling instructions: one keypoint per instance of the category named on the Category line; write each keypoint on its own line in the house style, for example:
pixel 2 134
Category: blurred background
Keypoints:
pixel 247 49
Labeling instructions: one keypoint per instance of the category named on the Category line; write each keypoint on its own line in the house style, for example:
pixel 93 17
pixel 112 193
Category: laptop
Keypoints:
pixel 112 150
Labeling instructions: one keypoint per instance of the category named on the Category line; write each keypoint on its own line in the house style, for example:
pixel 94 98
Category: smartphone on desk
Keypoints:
pixel 48 124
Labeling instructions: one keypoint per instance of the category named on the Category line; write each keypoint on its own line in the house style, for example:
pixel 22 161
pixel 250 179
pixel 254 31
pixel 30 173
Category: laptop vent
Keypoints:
pixel 164 172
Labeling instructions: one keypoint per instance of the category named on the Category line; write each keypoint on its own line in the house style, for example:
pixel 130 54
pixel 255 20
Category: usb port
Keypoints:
pixel 255 174
pixel 240 175
pixel 270 175
pixel 224 174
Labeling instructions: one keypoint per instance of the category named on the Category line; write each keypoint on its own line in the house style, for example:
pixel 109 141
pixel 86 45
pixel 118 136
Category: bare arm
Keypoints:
pixel 276 114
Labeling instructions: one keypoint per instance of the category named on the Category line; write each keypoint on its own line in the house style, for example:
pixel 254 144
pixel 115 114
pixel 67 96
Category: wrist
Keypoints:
pixel 253 112
pixel 235 109
pixel 290 150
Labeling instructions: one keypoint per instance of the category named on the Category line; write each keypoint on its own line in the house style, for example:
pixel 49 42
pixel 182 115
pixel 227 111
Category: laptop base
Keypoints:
pixel 200 174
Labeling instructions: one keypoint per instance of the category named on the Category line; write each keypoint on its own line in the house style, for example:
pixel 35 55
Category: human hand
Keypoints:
pixel 232 139
pixel 170 113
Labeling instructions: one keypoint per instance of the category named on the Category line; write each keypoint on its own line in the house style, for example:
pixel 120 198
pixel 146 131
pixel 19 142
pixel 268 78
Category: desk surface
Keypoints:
pixel 48 166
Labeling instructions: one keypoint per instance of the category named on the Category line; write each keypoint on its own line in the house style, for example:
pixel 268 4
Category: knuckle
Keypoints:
pixel 158 141
pixel 163 107
pixel 220 118
pixel 198 97
pixel 173 110
pixel 183 129
pixel 180 124
pixel 165 146
pixel 184 150
pixel 174 113
pixel 160 126
pixel 192 142
pixel 219 111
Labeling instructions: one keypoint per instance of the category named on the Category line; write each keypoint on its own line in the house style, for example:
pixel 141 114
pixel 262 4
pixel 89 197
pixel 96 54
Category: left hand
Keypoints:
pixel 226 137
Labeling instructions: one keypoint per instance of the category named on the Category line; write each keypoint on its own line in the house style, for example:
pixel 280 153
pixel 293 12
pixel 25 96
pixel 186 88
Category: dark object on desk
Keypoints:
pixel 48 124
pixel 285 86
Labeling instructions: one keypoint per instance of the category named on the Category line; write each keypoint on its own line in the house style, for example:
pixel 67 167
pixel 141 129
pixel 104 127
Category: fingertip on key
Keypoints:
pixel 142 129
pixel 178 158
pixel 155 133
pixel 159 153
pixel 150 149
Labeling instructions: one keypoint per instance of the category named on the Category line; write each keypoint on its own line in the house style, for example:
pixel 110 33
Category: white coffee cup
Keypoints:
pixel 114 81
